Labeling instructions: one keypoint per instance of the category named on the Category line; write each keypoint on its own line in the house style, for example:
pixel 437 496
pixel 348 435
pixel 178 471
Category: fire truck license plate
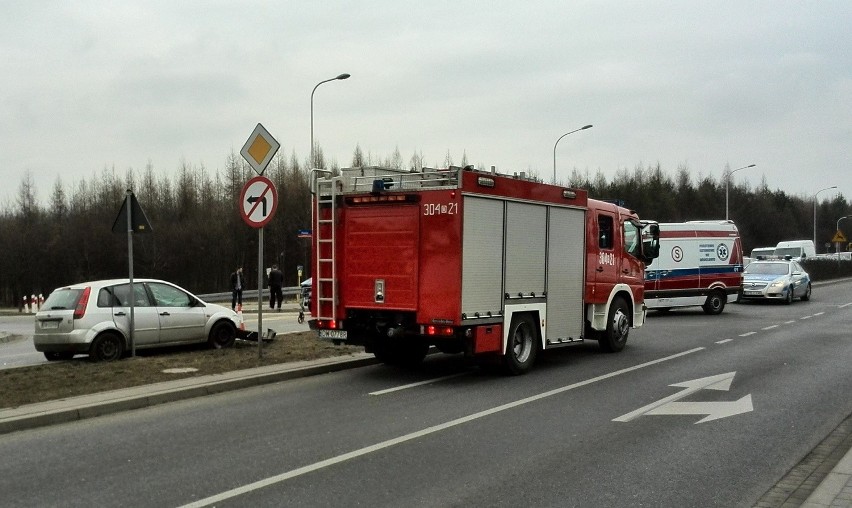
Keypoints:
pixel 332 334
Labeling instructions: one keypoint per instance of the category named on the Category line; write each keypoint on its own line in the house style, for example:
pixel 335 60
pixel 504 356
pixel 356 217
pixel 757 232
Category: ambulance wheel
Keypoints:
pixel 522 347
pixel 715 303
pixel 614 338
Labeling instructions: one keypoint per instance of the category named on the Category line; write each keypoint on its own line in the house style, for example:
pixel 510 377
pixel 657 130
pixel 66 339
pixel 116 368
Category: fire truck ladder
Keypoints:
pixel 326 236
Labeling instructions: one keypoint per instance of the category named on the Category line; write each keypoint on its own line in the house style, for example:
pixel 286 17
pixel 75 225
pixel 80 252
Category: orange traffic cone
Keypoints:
pixel 240 314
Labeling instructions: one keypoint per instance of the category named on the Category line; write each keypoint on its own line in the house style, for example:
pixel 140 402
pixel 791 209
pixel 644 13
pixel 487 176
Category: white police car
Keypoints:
pixel 776 280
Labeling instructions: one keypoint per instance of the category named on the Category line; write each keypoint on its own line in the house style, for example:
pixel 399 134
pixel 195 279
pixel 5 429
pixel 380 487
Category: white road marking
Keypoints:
pixel 845 305
pixel 805 317
pixel 790 322
pixel 724 341
pixel 819 314
pixel 420 383
pixel 272 480
pixel 747 334
pixel 770 327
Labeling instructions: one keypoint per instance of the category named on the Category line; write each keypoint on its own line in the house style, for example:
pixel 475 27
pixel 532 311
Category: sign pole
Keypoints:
pixel 127 204
pixel 259 292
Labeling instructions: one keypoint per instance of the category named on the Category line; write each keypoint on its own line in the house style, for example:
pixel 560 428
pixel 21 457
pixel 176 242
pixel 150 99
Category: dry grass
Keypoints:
pixel 41 383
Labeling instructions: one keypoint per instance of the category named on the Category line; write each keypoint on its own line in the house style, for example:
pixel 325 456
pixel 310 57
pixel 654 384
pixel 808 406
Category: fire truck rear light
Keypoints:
pixel 569 194
pixel 446 331
pixel 485 181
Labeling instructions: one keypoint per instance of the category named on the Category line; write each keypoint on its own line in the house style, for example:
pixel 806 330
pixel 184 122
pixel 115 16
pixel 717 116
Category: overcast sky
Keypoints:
pixel 88 85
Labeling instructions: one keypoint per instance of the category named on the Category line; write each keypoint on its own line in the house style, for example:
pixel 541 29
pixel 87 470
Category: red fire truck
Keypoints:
pixel 495 266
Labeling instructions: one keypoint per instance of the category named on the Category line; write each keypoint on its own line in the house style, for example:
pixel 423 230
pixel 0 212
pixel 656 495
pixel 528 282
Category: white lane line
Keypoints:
pixel 419 383
pixel 805 317
pixel 819 314
pixel 272 480
pixel 770 327
pixel 724 341
pixel 845 305
pixel 747 334
pixel 790 322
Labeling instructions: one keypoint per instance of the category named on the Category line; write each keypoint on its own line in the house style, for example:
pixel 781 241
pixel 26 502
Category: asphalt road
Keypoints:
pixel 582 429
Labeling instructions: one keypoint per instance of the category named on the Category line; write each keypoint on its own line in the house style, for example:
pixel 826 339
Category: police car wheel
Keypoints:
pixel 789 298
pixel 807 295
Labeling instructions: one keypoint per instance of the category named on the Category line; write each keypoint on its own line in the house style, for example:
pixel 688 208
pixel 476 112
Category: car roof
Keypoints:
pixel 111 282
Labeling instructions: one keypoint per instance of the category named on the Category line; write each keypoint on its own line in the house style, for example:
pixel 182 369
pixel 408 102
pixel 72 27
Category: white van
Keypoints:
pixel 763 253
pixel 700 264
pixel 797 250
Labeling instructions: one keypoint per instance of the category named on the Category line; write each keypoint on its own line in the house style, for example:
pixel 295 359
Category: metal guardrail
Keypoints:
pixel 226 297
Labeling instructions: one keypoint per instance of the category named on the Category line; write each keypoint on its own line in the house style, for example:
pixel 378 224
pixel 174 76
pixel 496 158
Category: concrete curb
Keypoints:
pixel 89 406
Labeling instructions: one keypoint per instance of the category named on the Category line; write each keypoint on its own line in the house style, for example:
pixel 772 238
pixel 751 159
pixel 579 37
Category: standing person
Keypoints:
pixel 276 282
pixel 237 284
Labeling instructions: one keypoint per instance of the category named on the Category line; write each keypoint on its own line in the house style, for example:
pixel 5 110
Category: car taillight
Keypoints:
pixel 80 309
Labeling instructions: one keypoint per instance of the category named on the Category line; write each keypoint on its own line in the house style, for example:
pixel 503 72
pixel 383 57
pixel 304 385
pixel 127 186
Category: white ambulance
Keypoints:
pixel 700 264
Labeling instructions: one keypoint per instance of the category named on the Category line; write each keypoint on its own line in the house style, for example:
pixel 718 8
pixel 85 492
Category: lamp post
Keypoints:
pixel 838 229
pixel 341 76
pixel 557 142
pixel 815 201
pixel 727 183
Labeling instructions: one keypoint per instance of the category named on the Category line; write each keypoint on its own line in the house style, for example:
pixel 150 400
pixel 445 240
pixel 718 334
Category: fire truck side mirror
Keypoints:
pixel 651 242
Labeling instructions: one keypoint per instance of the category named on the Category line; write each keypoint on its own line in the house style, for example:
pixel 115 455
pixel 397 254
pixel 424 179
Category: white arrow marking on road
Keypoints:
pixel 713 410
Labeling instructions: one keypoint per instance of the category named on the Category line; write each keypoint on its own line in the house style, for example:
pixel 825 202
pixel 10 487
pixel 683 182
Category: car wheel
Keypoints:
pixel 55 357
pixel 107 347
pixel 522 347
pixel 614 338
pixel 789 298
pixel 222 335
pixel 715 303
pixel 807 295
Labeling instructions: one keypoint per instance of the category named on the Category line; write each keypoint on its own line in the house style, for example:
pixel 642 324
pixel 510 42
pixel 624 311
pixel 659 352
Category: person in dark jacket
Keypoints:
pixel 238 282
pixel 276 283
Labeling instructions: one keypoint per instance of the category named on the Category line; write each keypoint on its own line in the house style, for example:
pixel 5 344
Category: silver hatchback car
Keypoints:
pixel 94 318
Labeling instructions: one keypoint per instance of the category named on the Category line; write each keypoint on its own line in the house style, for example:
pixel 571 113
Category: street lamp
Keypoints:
pixel 838 229
pixel 815 201
pixel 342 76
pixel 557 142
pixel 727 183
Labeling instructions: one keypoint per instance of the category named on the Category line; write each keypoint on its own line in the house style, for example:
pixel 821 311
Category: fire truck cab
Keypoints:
pixel 498 267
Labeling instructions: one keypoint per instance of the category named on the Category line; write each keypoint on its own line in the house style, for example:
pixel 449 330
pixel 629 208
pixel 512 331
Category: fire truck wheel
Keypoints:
pixel 522 347
pixel 617 327
pixel 715 303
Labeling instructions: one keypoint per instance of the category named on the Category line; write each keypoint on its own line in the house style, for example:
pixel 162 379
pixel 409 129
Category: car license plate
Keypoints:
pixel 752 293
pixel 333 334
pixel 49 325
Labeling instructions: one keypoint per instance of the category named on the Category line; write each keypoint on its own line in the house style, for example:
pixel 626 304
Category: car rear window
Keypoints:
pixel 62 299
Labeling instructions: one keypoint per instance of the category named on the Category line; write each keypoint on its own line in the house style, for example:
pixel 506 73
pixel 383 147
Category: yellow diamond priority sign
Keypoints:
pixel 839 237
pixel 259 149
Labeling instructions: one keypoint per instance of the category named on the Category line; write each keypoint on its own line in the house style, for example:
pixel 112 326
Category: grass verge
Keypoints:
pixel 53 381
